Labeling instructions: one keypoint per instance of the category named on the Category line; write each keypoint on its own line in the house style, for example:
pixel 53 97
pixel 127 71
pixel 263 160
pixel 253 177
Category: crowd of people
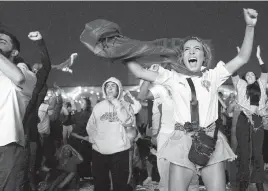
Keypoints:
pixel 180 130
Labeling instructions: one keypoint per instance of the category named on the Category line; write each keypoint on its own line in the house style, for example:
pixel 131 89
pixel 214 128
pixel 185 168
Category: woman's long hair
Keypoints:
pixel 253 92
pixel 88 104
pixel 59 154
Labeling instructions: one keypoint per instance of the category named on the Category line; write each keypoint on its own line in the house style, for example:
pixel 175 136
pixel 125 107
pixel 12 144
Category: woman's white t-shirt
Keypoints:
pixel 207 96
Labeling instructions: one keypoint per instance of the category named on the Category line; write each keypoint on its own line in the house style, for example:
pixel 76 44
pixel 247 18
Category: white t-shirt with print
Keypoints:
pixel 181 92
pixel 13 103
pixel 163 96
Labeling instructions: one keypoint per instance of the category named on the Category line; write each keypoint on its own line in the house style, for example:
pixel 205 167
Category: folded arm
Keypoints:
pixel 91 128
pixel 134 104
pixel 122 112
pixel 11 71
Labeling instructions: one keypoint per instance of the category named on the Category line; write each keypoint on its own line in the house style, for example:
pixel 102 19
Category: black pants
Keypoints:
pixel 265 146
pixel 117 163
pixel 48 151
pixel 85 149
pixel 249 149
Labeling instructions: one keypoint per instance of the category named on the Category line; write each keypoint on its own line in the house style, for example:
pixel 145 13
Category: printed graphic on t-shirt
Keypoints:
pixel 109 116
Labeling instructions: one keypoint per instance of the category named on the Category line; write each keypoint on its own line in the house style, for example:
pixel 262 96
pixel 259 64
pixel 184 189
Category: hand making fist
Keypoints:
pixel 128 97
pixel 250 16
pixel 35 35
pixel 154 67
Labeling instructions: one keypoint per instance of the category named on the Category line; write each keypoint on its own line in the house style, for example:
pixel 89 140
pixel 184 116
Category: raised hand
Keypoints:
pixel 128 98
pixel 109 97
pixel 35 35
pixel 250 16
pixel 58 90
pixel 258 53
pixel 154 67
pixel 56 86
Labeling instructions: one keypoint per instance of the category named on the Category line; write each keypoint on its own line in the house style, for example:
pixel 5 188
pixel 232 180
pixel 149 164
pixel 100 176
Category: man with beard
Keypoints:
pixel 16 83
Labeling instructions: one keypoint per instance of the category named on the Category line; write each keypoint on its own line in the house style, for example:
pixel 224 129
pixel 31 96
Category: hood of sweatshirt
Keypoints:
pixel 119 85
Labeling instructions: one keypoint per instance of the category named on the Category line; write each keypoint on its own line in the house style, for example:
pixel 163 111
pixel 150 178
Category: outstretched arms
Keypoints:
pixel 142 73
pixel 243 56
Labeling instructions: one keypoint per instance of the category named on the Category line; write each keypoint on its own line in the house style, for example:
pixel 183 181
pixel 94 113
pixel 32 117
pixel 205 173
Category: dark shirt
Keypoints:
pixel 144 146
pixel 80 120
pixel 31 118
pixel 67 119
pixel 70 165
pixel 55 122
pixel 219 120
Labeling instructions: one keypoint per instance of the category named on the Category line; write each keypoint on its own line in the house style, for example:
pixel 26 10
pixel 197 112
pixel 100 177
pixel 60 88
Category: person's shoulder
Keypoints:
pixel 160 70
pixel 30 79
pixel 161 92
pixel 158 87
pixel 219 72
pixel 241 83
pixel 23 66
pixel 26 71
pixel 220 64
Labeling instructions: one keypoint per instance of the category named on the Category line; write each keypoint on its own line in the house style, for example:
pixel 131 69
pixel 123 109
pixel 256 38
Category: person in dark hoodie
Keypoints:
pixel 107 129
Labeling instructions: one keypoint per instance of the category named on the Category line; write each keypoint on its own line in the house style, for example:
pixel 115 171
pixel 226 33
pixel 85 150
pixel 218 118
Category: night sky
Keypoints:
pixel 61 24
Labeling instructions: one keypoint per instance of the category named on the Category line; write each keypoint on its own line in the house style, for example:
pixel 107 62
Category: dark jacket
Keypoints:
pixel 31 118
